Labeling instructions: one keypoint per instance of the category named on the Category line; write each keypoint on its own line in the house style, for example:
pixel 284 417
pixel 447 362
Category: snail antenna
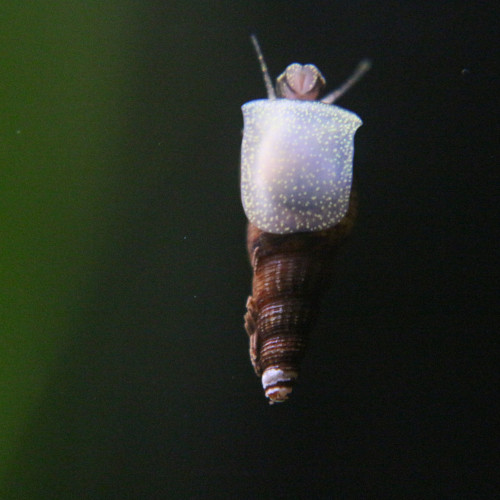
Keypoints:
pixel 358 73
pixel 271 94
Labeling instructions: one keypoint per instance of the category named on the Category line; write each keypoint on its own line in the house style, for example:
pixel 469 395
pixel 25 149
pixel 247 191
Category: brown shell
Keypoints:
pixel 290 275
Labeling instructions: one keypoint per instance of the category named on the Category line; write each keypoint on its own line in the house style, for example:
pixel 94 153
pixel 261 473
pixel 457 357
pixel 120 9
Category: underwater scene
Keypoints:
pixel 172 264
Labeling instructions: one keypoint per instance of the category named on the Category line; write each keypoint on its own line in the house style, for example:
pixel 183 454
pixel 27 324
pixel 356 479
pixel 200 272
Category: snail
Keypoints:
pixel 296 176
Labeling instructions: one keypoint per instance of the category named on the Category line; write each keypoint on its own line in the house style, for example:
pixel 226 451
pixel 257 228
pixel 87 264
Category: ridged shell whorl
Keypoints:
pixel 290 275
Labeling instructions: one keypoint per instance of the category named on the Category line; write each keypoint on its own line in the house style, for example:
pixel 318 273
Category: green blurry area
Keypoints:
pixel 61 129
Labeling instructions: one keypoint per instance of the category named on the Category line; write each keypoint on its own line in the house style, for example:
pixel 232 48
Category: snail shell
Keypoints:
pixel 290 275
pixel 296 177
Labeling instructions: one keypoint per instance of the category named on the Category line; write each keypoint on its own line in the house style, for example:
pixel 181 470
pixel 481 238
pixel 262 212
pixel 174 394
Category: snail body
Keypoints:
pixel 296 170
pixel 296 180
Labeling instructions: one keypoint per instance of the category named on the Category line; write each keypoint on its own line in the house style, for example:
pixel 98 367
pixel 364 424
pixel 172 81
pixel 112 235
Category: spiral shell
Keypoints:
pixel 290 275
pixel 296 192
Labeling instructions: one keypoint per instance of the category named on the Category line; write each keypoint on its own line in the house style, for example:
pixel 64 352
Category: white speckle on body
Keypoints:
pixel 296 164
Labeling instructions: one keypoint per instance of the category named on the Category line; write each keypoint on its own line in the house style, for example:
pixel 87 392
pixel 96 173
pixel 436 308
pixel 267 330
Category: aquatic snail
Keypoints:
pixel 296 178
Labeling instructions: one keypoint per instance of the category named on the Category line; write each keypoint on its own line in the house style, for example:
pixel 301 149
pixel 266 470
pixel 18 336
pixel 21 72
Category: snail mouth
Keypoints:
pixel 278 383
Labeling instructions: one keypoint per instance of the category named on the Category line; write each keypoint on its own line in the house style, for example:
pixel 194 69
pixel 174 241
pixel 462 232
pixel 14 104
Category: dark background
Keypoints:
pixel 129 374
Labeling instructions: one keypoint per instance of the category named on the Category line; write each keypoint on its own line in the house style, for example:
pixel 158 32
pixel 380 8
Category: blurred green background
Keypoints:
pixel 124 369
pixel 113 206
pixel 62 148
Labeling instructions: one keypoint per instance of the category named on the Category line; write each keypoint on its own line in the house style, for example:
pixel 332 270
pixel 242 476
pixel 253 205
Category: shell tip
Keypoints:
pixel 278 394
pixel 278 384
